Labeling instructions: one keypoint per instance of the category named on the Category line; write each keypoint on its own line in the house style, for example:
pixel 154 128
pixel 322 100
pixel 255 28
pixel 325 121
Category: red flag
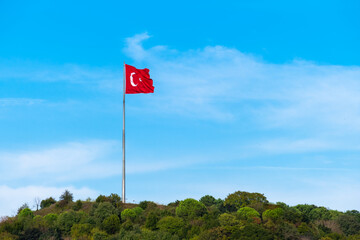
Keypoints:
pixel 138 80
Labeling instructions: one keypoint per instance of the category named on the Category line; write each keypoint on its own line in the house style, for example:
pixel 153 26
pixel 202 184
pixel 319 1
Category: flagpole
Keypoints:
pixel 123 140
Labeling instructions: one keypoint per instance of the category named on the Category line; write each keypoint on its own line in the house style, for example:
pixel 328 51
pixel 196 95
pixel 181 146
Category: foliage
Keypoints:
pixel 66 197
pixel 349 224
pixel 25 213
pixel 238 217
pixel 131 214
pixel 208 200
pixel 111 224
pixel 274 215
pixel 227 219
pixel 248 214
pixel 190 208
pixel 147 205
pixel 171 224
pixel 51 219
pixel 81 231
pixel 151 220
pixel 241 199
pixel 25 205
pixel 47 202
pixel 104 210
pixel 78 205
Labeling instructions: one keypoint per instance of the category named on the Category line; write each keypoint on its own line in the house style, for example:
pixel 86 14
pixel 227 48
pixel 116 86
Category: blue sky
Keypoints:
pixel 259 96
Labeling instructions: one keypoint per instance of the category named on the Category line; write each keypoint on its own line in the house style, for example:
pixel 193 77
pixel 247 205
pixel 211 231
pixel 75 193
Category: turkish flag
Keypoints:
pixel 138 80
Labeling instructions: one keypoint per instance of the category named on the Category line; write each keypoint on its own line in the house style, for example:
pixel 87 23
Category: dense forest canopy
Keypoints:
pixel 241 215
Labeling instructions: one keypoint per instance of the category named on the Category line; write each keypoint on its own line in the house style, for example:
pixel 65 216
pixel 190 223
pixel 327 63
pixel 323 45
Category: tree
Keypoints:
pixel 78 205
pixel 131 214
pixel 47 202
pixel 111 224
pixel 248 214
pixel 66 220
pixel 241 199
pixel 190 208
pixel 66 197
pixel 25 205
pixel 104 210
pixel 208 200
pixel 349 224
pixel 151 220
pixel 227 219
pixel 171 224
pixel 274 215
pixel 81 231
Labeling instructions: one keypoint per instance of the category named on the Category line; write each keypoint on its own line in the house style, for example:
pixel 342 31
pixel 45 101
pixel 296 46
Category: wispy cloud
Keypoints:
pixel 4 102
pixel 223 83
pixel 69 161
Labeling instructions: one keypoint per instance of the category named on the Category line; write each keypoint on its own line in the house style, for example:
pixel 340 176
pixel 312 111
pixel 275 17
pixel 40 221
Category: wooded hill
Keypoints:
pixel 241 215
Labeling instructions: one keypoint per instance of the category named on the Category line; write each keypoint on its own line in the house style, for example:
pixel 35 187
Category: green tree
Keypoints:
pixel 104 210
pixel 208 200
pixel 67 219
pixel 81 231
pixel 291 214
pixel 241 199
pixel 227 219
pixel 151 220
pixel 147 205
pixel 111 224
pixel 274 215
pixel 190 208
pixel 170 224
pixel 252 232
pixel 248 214
pixel 51 219
pixel 25 213
pixel 66 197
pixel 349 224
pixel 47 202
pixel 25 205
pixel 131 214
pixel 319 213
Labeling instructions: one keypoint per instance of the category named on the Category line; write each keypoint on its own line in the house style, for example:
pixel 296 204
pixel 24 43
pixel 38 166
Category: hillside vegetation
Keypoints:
pixel 241 215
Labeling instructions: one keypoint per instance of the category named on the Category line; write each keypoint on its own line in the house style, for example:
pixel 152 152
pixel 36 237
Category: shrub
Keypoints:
pixel 77 206
pixel 147 205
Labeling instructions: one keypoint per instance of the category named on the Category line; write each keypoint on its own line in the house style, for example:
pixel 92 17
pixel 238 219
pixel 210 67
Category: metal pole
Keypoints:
pixel 123 140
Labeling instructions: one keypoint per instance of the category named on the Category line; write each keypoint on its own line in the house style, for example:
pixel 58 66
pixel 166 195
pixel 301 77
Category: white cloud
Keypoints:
pixel 69 161
pixel 12 198
pixel 223 83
